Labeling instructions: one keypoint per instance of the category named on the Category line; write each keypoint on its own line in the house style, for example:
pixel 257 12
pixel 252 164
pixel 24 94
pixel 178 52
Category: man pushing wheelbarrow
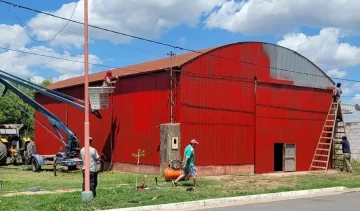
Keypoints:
pixel 188 163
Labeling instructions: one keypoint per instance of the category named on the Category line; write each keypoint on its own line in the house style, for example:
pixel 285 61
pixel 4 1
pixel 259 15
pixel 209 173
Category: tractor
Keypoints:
pixel 13 146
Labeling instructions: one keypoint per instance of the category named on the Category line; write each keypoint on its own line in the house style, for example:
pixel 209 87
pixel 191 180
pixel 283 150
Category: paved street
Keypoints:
pixel 350 201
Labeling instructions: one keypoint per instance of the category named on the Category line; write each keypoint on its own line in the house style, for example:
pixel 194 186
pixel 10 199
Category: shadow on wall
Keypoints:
pixel 109 146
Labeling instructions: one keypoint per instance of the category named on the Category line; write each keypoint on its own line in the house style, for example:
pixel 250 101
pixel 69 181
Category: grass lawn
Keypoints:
pixel 116 190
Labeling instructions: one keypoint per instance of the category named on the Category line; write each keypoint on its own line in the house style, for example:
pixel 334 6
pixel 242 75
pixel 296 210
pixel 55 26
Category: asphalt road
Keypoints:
pixel 348 201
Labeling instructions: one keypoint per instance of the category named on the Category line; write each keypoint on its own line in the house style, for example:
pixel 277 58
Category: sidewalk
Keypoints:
pixel 203 204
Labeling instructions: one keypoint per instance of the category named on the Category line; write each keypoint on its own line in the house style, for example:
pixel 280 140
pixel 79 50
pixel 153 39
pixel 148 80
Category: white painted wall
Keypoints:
pixel 352 128
pixel 353 134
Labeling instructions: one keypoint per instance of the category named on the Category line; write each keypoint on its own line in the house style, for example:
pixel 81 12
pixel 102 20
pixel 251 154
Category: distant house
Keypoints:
pixel 352 127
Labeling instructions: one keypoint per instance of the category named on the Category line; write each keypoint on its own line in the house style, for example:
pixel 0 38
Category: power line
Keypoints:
pixel 169 45
pixel 42 50
pixel 31 115
pixel 73 12
pixel 71 60
pixel 54 57
pixel 144 51
pixel 183 71
pixel 160 43
pixel 207 80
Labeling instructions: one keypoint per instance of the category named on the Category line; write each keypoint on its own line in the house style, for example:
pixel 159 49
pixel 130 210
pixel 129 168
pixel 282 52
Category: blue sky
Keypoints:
pixel 329 38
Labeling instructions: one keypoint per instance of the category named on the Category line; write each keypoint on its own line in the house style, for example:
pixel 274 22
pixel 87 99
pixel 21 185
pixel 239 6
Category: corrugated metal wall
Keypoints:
pixel 44 135
pixel 140 106
pixel 47 143
pixel 289 65
pixel 215 103
pixel 286 114
pixel 130 123
pixel 217 106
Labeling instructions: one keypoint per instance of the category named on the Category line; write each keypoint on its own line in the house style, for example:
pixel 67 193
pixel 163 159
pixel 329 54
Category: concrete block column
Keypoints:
pixel 170 144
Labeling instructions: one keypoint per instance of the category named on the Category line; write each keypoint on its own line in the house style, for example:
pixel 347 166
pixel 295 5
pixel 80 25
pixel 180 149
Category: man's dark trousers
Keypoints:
pixel 93 182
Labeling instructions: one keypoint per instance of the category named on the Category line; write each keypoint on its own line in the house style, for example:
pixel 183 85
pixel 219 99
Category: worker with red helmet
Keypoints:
pixel 109 79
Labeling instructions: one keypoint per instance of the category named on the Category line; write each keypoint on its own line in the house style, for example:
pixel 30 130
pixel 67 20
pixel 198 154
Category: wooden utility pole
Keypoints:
pixel 171 54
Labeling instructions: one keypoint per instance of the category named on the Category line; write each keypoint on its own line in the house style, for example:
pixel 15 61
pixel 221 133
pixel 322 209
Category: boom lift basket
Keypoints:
pixel 99 97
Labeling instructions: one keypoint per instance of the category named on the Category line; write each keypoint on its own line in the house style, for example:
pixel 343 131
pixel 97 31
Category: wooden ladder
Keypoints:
pixel 322 153
pixel 338 156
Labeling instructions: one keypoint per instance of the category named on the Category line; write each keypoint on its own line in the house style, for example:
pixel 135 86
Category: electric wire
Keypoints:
pixel 134 71
pixel 140 50
pixel 170 45
pixel 41 50
pixel 175 47
pixel 54 57
pixel 31 115
pixel 17 16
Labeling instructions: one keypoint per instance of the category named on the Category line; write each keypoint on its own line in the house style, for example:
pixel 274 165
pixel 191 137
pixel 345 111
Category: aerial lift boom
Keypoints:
pixel 70 156
pixel 47 92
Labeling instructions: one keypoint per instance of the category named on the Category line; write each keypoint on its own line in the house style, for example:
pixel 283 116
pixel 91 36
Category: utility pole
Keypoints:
pixel 87 194
pixel 171 54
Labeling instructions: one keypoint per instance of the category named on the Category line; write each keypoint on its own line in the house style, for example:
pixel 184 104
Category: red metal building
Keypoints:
pixel 241 101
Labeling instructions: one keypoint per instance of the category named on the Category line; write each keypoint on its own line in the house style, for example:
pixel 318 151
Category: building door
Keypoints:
pixel 278 157
pixel 289 157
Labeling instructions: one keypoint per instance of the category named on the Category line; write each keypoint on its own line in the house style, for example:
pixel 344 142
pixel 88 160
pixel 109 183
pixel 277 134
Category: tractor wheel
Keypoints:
pixel 3 154
pixel 29 151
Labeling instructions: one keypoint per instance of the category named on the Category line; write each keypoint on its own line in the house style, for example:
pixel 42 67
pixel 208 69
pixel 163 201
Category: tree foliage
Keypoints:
pixel 13 110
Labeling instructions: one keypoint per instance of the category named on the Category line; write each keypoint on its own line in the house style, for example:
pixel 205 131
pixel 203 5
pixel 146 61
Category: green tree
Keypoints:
pixel 47 82
pixel 13 110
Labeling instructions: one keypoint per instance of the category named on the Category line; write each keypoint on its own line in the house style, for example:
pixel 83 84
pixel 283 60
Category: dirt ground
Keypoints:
pixel 268 181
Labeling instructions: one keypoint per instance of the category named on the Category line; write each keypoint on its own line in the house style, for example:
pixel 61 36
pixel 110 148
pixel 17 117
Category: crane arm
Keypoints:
pixel 72 144
pixel 47 92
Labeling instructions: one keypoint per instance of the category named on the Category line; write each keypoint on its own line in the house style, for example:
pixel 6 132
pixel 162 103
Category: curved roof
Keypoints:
pixel 281 59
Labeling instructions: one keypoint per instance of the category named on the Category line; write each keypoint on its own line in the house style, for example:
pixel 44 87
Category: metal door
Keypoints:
pixel 289 157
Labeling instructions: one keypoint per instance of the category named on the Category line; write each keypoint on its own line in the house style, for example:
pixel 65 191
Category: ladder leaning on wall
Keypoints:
pixel 333 129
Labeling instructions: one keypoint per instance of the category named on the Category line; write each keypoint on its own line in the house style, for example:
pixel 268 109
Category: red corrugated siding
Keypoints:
pixel 45 141
pixel 219 111
pixel 139 107
pixel 288 115
pixel 214 104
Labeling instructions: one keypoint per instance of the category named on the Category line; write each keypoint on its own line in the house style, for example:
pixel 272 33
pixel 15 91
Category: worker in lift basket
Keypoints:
pixel 337 92
pixel 94 158
pixel 109 79
pixel 347 153
pixel 188 163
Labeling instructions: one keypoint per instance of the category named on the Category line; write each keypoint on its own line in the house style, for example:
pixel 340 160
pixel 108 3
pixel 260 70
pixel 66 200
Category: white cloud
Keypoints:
pixel 356 99
pixel 66 76
pixel 26 64
pixel 337 73
pixel 11 36
pixel 323 49
pixel 346 91
pixel 280 16
pixel 37 79
pixel 356 86
pixel 182 41
pixel 143 18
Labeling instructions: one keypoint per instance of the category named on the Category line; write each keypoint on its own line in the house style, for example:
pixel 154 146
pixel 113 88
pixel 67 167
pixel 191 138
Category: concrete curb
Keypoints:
pixel 220 201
